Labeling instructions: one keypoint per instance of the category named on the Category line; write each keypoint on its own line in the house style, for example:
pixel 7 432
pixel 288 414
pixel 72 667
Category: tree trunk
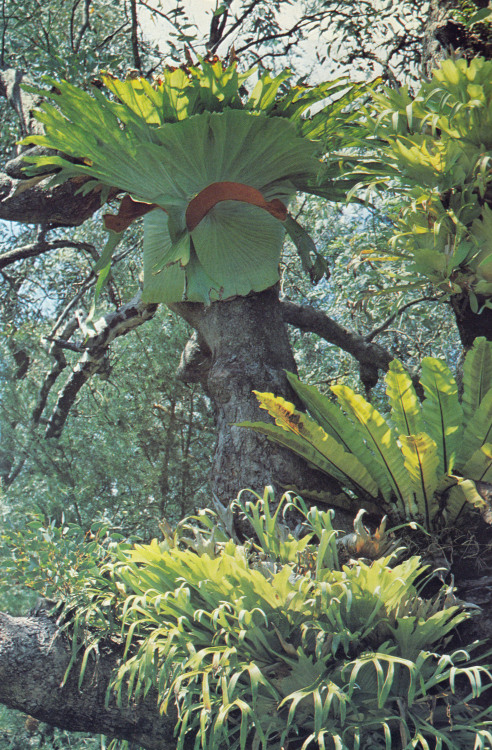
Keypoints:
pixel 471 324
pixel 243 346
pixel 445 35
pixel 33 661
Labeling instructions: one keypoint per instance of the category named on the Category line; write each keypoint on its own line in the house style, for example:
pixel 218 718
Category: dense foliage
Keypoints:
pixel 436 148
pixel 423 464
pixel 218 167
pixel 289 638
pixel 273 641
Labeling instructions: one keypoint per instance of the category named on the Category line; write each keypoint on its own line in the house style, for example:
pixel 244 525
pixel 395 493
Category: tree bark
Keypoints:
pixel 33 661
pixel 444 35
pixel 471 324
pixel 244 346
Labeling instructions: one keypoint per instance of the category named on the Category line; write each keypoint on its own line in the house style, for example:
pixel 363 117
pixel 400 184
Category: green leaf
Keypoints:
pixel 479 466
pixel 477 376
pixel 160 282
pixel 332 419
pixel 461 497
pixel 441 411
pixel 238 246
pixel 380 439
pixel 264 94
pixel 421 462
pixel 405 407
pixel 299 432
pixel 478 430
pixel 481 16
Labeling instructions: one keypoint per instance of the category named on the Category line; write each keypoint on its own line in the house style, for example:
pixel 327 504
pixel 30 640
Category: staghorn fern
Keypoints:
pixel 272 643
pixel 421 464
pixel 436 147
pixel 211 168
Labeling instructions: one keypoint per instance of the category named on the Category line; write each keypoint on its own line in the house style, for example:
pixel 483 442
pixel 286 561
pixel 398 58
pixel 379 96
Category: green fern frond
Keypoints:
pixel 388 461
pixel 442 412
pixel 406 412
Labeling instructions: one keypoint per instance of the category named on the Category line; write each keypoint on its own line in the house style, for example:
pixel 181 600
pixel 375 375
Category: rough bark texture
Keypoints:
pixel 33 661
pixel 36 204
pixel 470 324
pixel 242 345
pixel 444 36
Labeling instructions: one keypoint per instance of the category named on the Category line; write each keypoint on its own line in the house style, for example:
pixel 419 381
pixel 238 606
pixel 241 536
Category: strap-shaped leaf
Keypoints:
pixel 461 497
pixel 299 432
pixel 322 452
pixel 441 411
pixel 477 376
pixel 406 412
pixel 479 466
pixel 478 430
pixel 332 419
pixel 421 462
pixel 380 439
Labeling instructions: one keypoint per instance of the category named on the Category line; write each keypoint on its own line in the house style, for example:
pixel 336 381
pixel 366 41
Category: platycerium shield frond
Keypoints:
pixel 224 181
pixel 222 165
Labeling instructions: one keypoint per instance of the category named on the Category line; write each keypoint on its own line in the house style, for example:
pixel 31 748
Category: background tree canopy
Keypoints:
pixel 118 414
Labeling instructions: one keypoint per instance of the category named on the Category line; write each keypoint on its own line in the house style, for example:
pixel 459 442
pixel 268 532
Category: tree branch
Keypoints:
pixel 237 23
pixel 28 203
pixel 388 321
pixel 33 661
pixel 134 36
pixel 85 24
pixel 39 248
pixel 292 31
pixel 307 318
pixel 115 324
pixel 22 101
pixel 58 367
pixel 29 200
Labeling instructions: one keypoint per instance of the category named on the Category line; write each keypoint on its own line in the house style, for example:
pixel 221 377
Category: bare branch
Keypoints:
pixel 115 324
pixel 134 36
pixel 58 367
pixel 372 335
pixel 39 248
pixel 237 23
pixel 217 27
pixel 85 24
pixel 22 101
pixel 294 30
pixel 64 344
pixel 307 318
